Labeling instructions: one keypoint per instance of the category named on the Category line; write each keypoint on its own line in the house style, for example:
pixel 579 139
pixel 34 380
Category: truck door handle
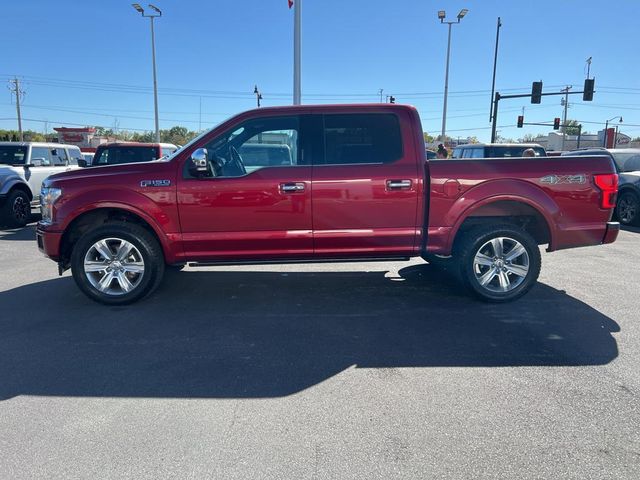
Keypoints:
pixel 292 187
pixel 398 184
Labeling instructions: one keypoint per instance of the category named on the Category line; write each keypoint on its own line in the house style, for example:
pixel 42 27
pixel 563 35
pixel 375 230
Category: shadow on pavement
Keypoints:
pixel 267 334
pixel 628 228
pixel 25 233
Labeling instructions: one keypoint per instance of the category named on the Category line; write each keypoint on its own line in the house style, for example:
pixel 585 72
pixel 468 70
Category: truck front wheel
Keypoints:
pixel 117 263
pixel 499 263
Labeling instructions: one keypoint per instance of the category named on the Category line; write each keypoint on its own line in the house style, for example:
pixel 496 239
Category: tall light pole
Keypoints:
pixel 442 15
pixel 606 131
pixel 151 16
pixel 297 45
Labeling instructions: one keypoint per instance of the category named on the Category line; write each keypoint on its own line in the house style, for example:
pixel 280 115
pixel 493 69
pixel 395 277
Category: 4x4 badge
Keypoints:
pixel 558 179
pixel 155 183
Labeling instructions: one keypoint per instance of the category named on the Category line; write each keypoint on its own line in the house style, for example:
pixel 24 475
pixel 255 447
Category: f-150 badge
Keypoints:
pixel 558 179
pixel 155 183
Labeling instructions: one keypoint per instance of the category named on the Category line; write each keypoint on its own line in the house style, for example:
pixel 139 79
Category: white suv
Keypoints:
pixel 23 167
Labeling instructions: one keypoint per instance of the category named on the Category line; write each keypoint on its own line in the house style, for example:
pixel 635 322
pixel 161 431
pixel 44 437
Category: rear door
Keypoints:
pixel 365 186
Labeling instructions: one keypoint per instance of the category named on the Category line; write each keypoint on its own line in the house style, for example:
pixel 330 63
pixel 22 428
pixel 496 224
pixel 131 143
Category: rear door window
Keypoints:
pixel 59 156
pixel 362 138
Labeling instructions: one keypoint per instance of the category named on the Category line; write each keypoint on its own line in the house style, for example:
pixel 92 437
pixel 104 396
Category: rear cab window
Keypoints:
pixel 126 154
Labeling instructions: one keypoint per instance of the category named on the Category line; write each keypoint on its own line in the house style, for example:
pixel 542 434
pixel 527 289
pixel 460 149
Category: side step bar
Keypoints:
pixel 297 261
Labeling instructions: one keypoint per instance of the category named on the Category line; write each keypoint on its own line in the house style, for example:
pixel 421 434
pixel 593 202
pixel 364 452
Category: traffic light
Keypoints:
pixel 392 99
pixel 556 123
pixel 520 120
pixel 587 95
pixel 536 92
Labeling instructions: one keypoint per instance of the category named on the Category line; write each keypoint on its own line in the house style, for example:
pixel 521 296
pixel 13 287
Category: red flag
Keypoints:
pixel 290 3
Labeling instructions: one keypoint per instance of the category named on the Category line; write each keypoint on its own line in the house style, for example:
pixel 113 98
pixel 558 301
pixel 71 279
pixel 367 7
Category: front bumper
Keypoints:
pixel 611 232
pixel 48 242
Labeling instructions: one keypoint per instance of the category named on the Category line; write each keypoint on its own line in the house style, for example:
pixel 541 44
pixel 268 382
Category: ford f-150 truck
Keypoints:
pixel 354 185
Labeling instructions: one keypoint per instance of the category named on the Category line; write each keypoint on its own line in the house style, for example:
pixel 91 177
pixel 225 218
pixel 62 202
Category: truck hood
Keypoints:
pixel 107 173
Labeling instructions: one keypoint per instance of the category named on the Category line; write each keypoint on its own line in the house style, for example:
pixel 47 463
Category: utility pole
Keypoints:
pixel 200 114
pixel 564 119
pixel 380 92
pixel 18 93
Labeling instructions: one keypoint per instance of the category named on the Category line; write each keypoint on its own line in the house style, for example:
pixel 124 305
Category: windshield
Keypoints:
pixel 12 154
pixel 627 161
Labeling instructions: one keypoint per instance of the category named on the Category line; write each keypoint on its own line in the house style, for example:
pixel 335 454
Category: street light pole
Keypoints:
pixel 151 17
pixel 606 130
pixel 442 15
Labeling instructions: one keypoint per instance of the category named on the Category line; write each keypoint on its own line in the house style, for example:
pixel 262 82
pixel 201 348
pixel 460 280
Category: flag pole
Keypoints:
pixel 297 94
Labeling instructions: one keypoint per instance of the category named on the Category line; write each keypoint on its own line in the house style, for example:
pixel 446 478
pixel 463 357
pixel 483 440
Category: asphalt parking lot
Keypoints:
pixel 363 371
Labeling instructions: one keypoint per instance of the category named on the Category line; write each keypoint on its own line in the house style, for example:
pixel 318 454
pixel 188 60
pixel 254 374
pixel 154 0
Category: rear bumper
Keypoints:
pixel 49 243
pixel 611 232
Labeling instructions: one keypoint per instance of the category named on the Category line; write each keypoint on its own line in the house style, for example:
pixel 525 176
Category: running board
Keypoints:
pixel 298 261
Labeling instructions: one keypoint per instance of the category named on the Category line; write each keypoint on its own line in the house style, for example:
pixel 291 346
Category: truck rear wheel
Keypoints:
pixel 117 263
pixel 16 210
pixel 498 263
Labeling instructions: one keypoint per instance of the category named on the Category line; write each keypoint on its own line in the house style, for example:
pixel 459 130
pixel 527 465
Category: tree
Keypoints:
pixel 427 138
pixel 528 138
pixel 572 127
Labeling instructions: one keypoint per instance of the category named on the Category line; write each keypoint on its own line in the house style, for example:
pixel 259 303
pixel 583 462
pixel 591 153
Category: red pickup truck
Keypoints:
pixel 321 183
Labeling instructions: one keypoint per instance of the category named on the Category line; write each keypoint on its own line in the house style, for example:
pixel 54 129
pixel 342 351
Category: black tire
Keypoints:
pixel 16 210
pixel 628 208
pixel 146 252
pixel 478 241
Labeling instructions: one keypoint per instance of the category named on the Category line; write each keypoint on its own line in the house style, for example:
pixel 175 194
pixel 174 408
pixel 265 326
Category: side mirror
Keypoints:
pixel 199 164
pixel 82 163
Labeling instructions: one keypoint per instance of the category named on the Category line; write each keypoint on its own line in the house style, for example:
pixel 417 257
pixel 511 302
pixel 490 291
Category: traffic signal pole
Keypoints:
pixel 499 97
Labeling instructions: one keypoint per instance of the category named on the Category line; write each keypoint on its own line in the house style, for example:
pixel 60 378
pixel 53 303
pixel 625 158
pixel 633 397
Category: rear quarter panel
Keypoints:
pixel 570 207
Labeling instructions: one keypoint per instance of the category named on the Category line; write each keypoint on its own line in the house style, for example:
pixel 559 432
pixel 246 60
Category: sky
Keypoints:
pixel 88 62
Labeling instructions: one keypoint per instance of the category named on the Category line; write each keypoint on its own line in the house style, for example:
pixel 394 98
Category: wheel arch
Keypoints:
pixel 519 211
pixel 94 217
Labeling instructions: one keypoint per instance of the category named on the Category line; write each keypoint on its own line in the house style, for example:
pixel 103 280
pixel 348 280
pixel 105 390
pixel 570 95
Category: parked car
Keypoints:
pixel 130 152
pixel 496 150
pixel 23 167
pixel 627 163
pixel 430 154
pixel 87 157
pixel 358 187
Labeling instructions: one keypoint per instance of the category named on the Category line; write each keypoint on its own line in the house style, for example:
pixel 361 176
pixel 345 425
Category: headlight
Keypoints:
pixel 48 197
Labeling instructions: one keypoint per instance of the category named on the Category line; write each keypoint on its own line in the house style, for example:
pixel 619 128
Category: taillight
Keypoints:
pixel 608 184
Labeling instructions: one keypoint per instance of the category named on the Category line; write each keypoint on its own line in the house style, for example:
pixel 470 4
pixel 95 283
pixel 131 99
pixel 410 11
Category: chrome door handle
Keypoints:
pixel 292 187
pixel 397 184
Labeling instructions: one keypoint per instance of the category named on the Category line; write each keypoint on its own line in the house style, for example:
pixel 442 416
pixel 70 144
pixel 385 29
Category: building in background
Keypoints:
pixel 84 137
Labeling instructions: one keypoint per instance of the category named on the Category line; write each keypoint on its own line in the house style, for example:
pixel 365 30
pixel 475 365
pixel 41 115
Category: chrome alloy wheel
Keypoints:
pixel 501 264
pixel 20 209
pixel 114 266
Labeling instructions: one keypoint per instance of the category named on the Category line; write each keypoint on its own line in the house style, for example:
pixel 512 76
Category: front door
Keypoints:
pixel 254 201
